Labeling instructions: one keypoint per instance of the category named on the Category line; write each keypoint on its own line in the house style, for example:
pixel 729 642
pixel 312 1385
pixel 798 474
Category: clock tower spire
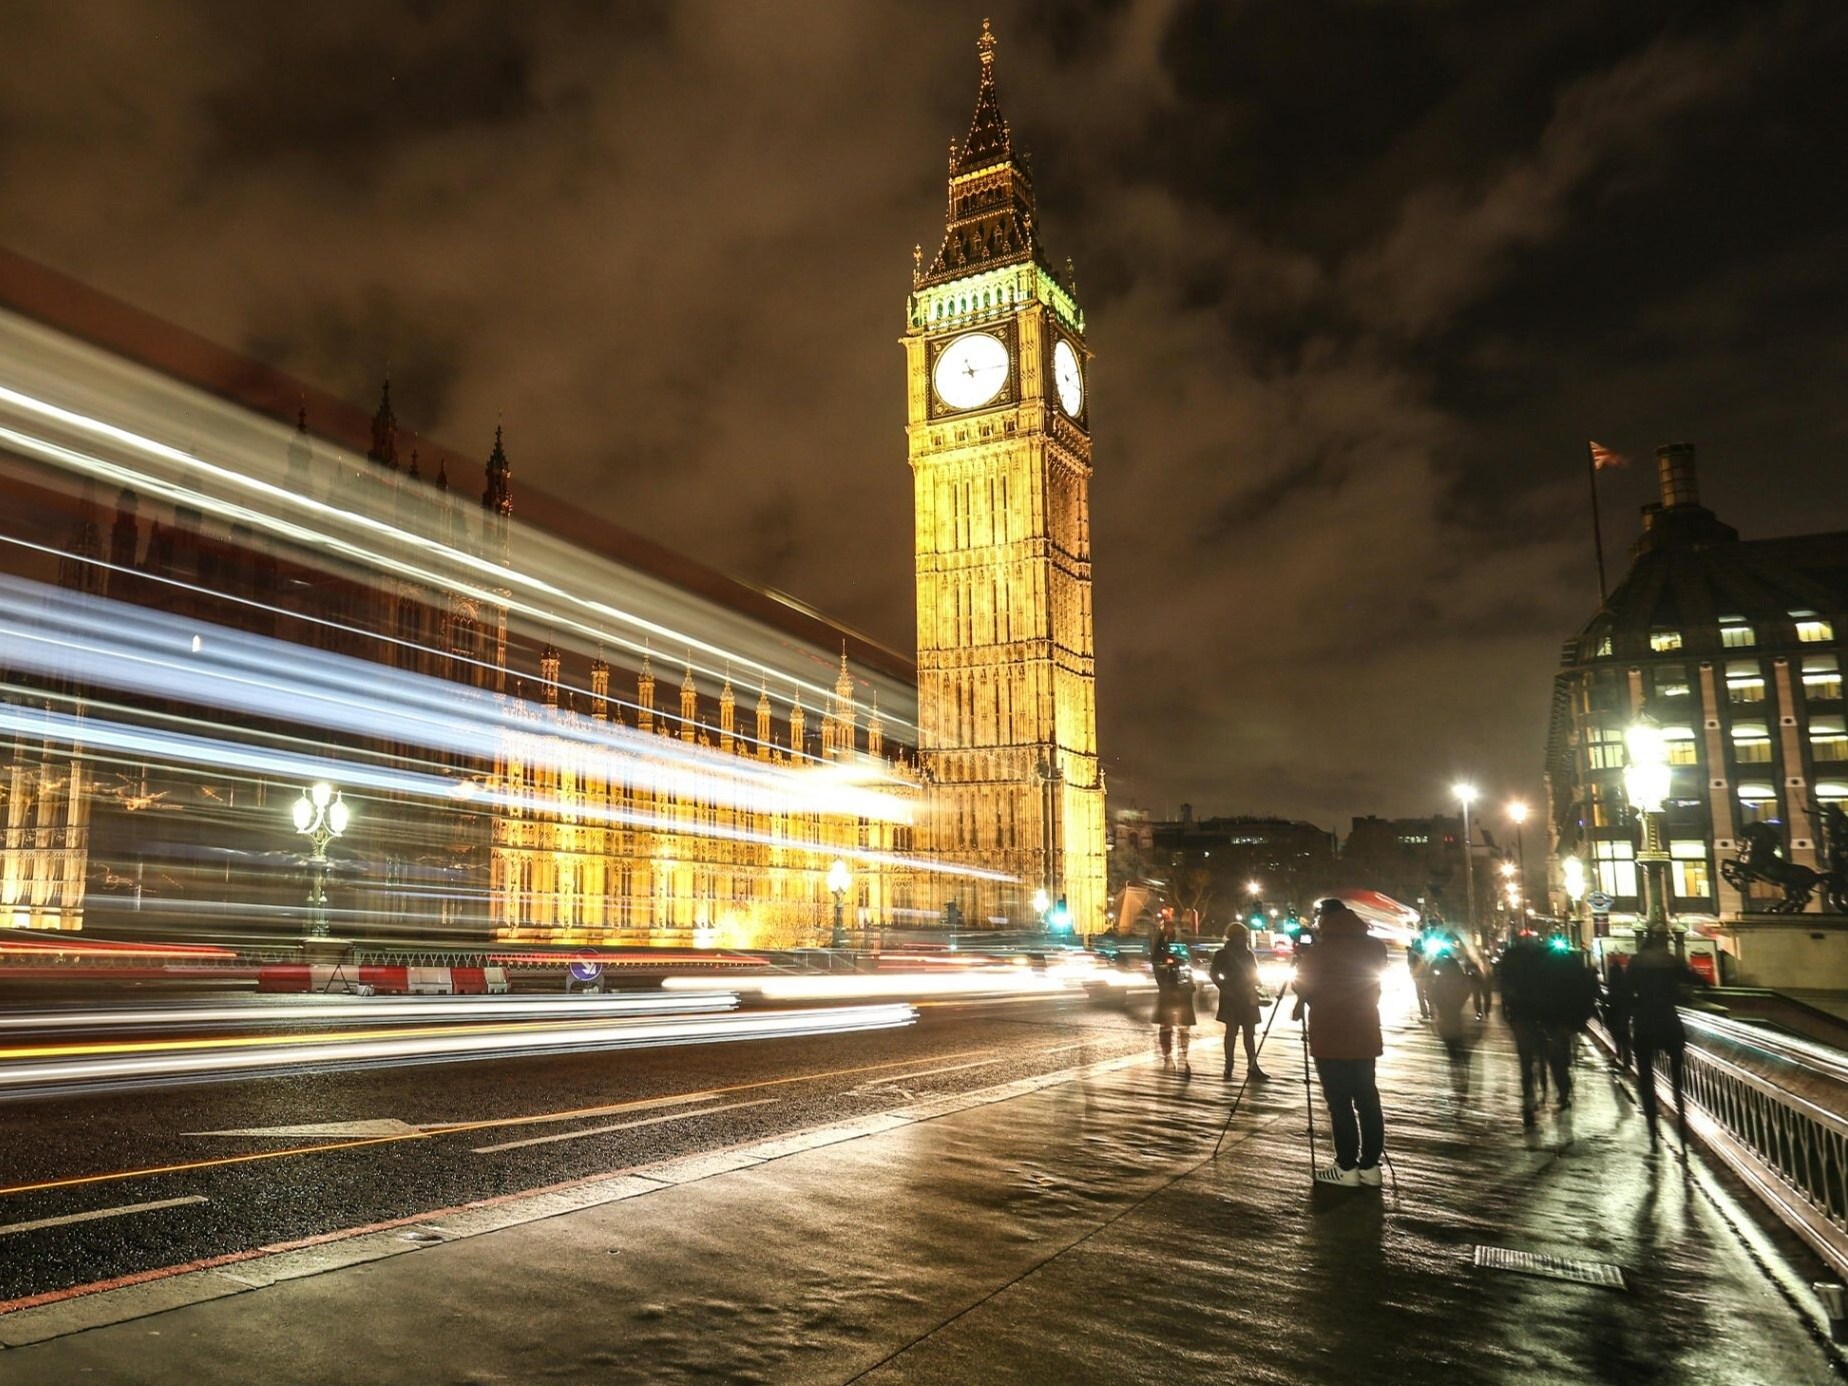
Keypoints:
pixel 998 434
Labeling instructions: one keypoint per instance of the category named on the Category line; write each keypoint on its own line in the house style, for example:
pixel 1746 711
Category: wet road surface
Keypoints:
pixel 241 1165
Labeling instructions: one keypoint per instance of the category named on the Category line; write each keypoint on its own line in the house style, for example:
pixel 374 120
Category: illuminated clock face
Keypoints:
pixel 971 370
pixel 1068 379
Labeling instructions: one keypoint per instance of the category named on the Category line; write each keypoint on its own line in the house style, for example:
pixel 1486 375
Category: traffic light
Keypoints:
pixel 1061 917
pixel 1559 943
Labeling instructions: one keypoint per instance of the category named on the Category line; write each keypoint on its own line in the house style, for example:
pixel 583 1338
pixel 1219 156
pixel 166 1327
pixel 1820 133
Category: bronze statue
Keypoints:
pixel 1762 859
pixel 1834 855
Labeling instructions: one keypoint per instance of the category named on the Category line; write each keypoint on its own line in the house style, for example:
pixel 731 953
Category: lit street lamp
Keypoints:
pixel 1466 795
pixel 1041 903
pixel 1646 782
pixel 839 880
pixel 321 815
pixel 1572 875
pixel 1517 814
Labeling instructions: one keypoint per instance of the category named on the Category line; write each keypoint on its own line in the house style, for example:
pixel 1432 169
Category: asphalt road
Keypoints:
pixel 433 1136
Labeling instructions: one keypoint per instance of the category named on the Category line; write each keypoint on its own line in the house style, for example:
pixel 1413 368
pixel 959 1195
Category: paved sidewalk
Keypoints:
pixel 1079 1233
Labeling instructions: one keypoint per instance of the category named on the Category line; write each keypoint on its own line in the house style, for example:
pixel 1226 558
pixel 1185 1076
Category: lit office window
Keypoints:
pixel 1735 634
pixel 1828 738
pixel 1614 863
pixel 1745 682
pixel 1688 863
pixel 1604 645
pixel 1832 791
pixel 1812 629
pixel 1664 640
pixel 1604 748
pixel 1757 803
pixel 1681 745
pixel 1670 681
pixel 1822 677
pixel 1751 743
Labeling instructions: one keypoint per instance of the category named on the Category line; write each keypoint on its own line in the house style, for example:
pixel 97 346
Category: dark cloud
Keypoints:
pixel 1361 279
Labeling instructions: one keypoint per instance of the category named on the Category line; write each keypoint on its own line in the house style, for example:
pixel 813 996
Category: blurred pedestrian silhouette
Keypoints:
pixel 1617 1006
pixel 1568 998
pixel 1174 1005
pixel 1521 1007
pixel 1659 983
pixel 1235 973
pixel 1451 980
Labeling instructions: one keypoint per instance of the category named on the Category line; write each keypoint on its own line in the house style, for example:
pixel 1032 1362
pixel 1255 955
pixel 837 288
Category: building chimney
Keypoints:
pixel 1675 471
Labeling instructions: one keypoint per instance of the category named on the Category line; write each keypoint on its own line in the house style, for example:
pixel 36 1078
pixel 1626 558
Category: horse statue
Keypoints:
pixel 1834 855
pixel 1762 860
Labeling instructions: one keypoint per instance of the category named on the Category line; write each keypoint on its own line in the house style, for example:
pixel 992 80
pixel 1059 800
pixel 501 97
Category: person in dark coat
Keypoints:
pixel 1235 973
pixel 1617 1006
pixel 1568 994
pixel 1522 1008
pixel 1658 980
pixel 1338 981
pixel 1174 1007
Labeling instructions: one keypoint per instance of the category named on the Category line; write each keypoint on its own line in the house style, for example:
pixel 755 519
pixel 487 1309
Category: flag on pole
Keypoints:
pixel 1602 457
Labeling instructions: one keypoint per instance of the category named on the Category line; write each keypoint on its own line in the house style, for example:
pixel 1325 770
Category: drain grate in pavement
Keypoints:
pixel 1599 1273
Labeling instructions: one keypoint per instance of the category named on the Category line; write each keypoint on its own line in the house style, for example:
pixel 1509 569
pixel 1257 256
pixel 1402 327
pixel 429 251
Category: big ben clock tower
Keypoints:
pixel 998 426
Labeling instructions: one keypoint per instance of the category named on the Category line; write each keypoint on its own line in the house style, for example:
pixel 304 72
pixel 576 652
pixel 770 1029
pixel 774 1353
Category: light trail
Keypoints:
pixel 190 480
pixel 983 979
pixel 373 1010
pixel 38 1071
pixel 157 656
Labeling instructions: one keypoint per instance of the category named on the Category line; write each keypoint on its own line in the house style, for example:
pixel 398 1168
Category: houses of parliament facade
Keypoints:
pixel 558 830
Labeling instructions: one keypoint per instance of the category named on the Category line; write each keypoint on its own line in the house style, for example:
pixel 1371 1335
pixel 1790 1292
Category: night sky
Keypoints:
pixel 1361 279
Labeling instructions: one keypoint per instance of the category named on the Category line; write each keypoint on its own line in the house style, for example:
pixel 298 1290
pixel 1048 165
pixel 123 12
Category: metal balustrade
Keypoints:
pixel 1775 1108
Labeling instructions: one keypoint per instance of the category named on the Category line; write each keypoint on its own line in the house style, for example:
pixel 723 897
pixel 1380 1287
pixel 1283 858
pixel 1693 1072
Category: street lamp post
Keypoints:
pixel 1041 903
pixel 839 880
pixel 1572 874
pixel 1517 814
pixel 1646 782
pixel 321 815
pixel 1466 795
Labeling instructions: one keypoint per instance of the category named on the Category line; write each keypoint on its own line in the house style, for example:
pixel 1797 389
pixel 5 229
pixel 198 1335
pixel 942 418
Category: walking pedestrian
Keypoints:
pixel 1452 986
pixel 1617 1006
pixel 1339 982
pixel 1522 1008
pixel 1174 1007
pixel 1235 973
pixel 1418 957
pixel 1568 994
pixel 1657 983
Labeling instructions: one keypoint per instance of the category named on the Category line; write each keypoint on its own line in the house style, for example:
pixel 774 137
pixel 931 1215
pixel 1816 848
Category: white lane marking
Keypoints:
pixel 925 1073
pixel 649 1104
pixel 8 1229
pixel 618 1126
pixel 383 1126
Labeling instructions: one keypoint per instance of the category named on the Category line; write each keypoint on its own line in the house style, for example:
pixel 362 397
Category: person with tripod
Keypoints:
pixel 1338 981
pixel 1235 973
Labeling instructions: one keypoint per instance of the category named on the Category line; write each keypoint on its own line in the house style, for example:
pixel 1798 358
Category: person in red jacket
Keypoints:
pixel 1338 980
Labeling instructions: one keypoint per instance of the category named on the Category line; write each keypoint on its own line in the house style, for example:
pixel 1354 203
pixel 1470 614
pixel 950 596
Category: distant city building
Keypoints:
pixel 1735 647
pixel 1417 861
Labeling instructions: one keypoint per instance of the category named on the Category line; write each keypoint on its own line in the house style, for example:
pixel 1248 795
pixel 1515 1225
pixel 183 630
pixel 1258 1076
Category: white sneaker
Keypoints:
pixel 1334 1174
pixel 1372 1178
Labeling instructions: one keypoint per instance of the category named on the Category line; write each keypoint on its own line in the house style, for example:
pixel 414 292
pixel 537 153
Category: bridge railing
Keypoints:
pixel 1775 1108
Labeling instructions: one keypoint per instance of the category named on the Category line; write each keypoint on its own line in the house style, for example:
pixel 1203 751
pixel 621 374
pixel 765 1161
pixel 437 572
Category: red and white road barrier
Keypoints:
pixel 383 981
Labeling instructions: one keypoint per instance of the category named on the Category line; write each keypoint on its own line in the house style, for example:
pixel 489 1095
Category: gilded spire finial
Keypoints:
pixel 985 46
